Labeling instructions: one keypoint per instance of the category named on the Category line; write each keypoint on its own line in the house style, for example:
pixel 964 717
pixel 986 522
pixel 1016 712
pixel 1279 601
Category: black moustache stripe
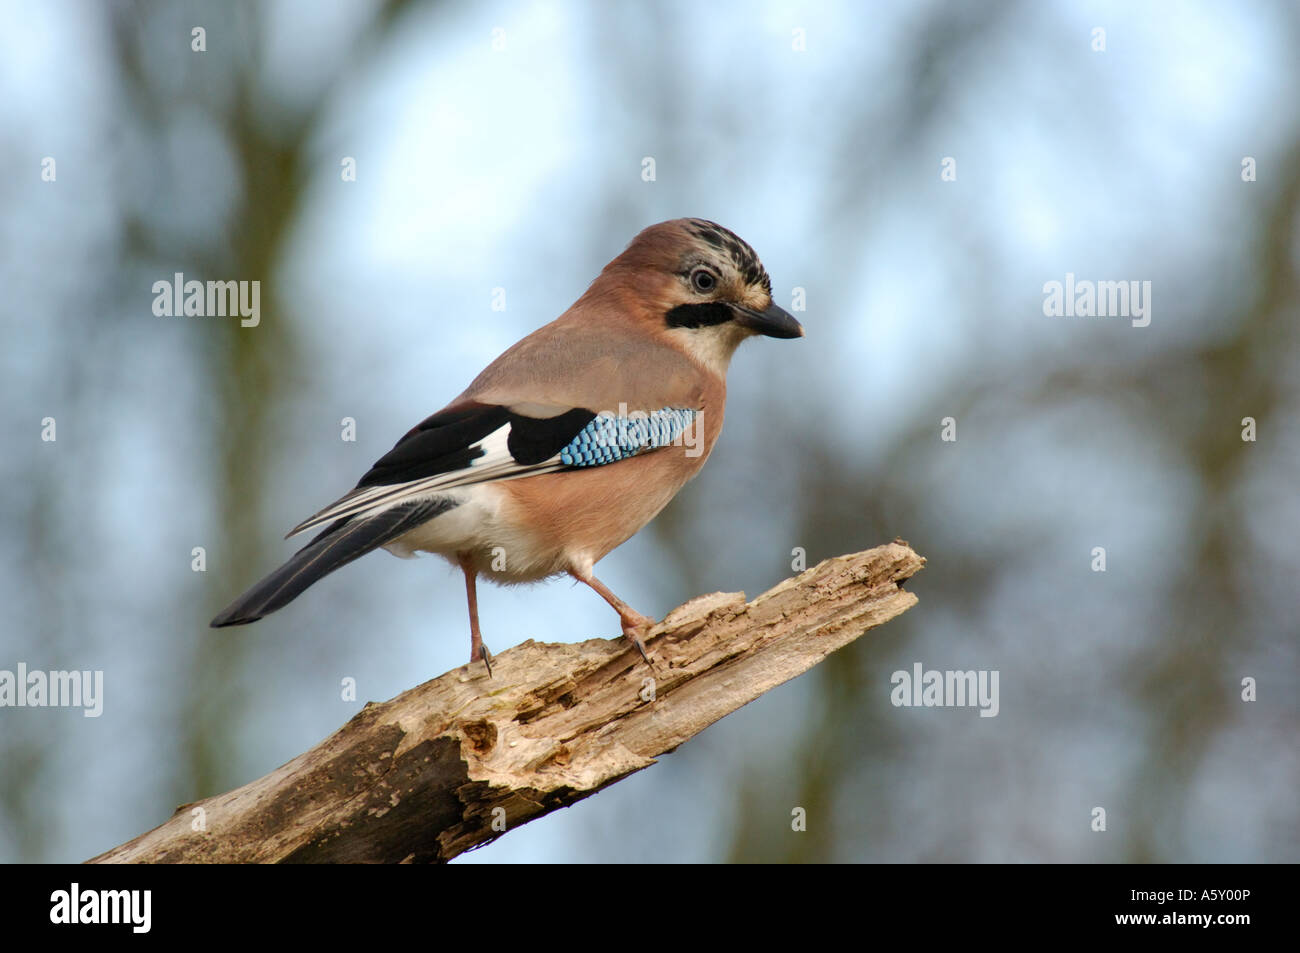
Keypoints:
pixel 703 315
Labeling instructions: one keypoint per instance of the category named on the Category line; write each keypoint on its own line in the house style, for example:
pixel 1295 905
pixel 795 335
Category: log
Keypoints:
pixel 456 762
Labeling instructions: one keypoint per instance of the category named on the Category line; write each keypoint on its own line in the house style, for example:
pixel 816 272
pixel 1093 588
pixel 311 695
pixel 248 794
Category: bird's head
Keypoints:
pixel 702 285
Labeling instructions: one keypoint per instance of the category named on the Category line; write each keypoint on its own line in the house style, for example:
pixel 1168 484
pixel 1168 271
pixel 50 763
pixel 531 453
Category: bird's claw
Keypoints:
pixel 633 630
pixel 485 655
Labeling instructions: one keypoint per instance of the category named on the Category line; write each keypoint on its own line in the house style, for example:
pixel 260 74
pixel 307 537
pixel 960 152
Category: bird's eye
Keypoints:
pixel 703 280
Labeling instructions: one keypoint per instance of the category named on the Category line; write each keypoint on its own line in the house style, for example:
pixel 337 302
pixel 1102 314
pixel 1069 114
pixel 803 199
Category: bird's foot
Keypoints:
pixel 636 628
pixel 481 652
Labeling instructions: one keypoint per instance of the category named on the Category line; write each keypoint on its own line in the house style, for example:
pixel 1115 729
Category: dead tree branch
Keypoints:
pixel 424 776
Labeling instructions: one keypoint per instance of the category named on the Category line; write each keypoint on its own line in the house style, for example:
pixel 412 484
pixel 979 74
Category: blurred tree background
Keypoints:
pixel 503 146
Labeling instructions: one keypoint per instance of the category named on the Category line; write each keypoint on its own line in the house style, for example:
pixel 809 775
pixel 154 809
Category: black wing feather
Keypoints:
pixel 440 443
pixel 534 440
pixel 448 441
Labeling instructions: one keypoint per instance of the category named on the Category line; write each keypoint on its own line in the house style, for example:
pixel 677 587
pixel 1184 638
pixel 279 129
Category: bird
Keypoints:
pixel 567 444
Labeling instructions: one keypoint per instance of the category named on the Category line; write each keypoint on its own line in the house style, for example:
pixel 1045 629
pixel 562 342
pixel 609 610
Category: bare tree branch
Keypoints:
pixel 450 765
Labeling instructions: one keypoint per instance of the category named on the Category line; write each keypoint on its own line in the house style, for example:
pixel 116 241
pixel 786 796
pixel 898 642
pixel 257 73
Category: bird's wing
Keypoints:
pixel 482 443
pixel 549 403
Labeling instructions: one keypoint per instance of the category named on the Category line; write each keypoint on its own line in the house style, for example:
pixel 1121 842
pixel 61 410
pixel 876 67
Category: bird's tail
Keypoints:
pixel 337 546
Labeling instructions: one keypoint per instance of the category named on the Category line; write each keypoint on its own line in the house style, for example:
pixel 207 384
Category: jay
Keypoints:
pixel 569 442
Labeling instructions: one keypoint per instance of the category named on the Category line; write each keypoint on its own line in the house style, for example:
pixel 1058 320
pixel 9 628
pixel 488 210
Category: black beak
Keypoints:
pixel 774 322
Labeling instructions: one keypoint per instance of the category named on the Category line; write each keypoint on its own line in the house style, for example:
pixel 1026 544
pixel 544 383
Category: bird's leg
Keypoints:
pixel 634 623
pixel 477 650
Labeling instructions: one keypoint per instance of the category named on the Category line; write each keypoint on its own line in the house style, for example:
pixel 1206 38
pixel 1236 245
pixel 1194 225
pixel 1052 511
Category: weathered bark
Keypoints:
pixel 424 776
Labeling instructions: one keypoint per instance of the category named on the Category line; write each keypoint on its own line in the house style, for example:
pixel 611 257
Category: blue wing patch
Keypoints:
pixel 613 437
